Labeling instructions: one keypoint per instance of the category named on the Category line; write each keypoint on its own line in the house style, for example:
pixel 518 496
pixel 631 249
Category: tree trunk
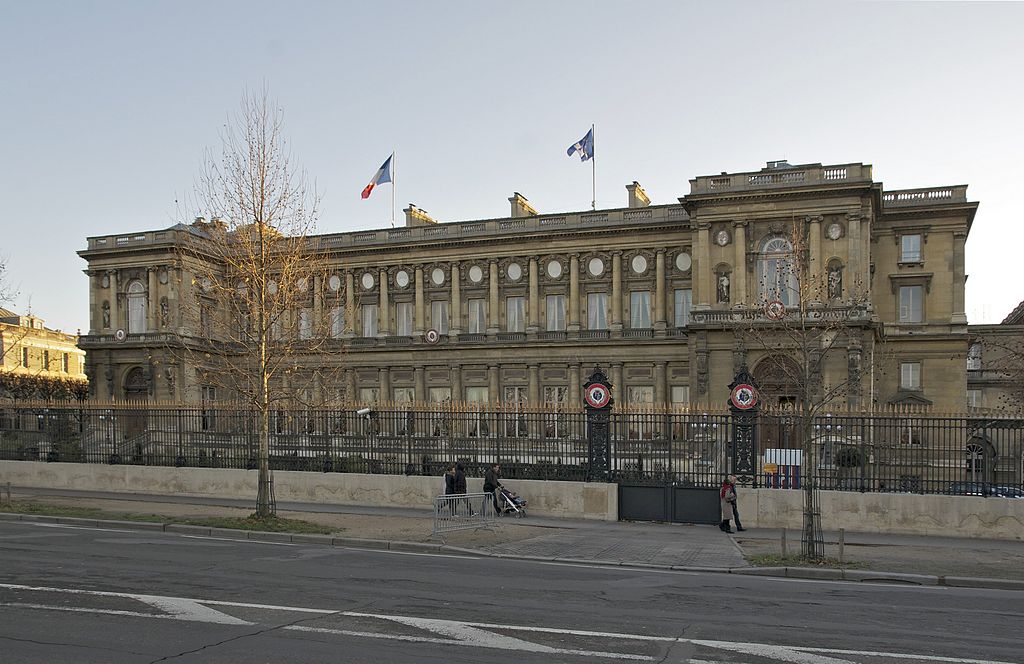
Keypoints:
pixel 812 544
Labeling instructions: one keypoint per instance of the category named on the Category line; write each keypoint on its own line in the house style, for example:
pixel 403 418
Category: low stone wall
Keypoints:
pixel 576 500
pixel 895 513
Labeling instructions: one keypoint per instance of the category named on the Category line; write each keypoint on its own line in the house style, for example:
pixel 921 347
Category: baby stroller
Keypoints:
pixel 511 502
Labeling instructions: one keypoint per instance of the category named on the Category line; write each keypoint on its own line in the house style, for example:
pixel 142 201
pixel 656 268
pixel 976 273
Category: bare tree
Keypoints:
pixel 810 322
pixel 257 316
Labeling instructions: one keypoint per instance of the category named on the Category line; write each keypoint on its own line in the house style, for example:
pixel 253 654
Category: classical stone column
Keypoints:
pixel 616 324
pixel 318 388
pixel 383 319
pixel 115 321
pixel 575 386
pixel 532 324
pixel 493 313
pixel 660 321
pixel 858 284
pixel 420 377
pixel 739 270
pixel 493 388
pixel 661 383
pixel 456 313
pixel 959 316
pixel 618 389
pixel 457 394
pixel 153 303
pixel 533 387
pixel 351 389
pixel 816 262
pixel 384 374
pixel 322 328
pixel 574 293
pixel 350 307
pixel 95 303
pixel 703 295
pixel 420 326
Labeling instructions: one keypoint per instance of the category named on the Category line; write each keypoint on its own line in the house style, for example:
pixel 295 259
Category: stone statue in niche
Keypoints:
pixel 723 287
pixel 835 282
pixel 106 315
pixel 164 312
pixel 169 377
pixel 109 375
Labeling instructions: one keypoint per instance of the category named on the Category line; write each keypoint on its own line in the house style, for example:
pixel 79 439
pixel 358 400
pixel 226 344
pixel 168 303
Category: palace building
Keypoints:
pixel 669 299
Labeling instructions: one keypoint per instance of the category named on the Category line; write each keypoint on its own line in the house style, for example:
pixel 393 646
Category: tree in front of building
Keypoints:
pixel 810 326
pixel 254 317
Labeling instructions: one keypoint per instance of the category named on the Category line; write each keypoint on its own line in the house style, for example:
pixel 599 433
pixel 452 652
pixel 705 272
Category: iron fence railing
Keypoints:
pixel 892 452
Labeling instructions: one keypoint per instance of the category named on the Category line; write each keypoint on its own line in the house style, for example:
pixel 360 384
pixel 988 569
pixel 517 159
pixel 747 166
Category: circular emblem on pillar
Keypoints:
pixel 743 396
pixel 431 336
pixel 775 310
pixel 120 335
pixel 597 396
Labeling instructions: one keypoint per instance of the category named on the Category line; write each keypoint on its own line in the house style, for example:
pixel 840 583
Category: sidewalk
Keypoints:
pixel 914 559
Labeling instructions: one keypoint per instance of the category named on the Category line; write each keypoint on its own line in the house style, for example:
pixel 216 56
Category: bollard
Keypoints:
pixel 842 542
pixel 785 551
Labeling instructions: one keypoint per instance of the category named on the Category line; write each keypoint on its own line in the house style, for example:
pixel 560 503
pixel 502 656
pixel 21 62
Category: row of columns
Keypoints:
pixel 533 308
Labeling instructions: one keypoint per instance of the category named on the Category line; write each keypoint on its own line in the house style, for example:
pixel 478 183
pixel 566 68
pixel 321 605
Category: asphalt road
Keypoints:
pixel 73 594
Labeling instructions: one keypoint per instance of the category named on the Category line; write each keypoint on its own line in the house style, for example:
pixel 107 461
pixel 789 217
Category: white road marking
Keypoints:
pixel 467 633
pixel 241 541
pixel 64 525
pixel 460 635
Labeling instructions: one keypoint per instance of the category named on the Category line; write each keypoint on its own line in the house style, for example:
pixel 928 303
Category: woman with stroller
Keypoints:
pixel 492 484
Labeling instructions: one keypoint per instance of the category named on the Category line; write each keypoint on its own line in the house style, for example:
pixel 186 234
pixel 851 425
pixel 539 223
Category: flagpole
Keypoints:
pixel 394 177
pixel 593 170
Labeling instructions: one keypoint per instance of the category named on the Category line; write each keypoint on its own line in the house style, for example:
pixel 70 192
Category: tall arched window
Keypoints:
pixel 776 272
pixel 136 307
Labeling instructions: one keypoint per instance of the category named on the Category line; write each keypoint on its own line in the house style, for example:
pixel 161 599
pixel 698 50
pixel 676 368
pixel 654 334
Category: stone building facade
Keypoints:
pixel 29 347
pixel 669 299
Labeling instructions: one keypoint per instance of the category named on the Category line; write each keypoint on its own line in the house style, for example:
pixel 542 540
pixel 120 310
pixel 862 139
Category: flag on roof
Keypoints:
pixel 382 175
pixel 585 146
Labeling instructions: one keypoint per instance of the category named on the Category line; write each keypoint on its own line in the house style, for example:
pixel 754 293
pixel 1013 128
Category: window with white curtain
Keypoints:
pixel 305 324
pixel 683 304
pixel 439 316
pixel 555 313
pixel 477 315
pixel 136 307
pixel 337 322
pixel 515 314
pixel 640 310
pixel 776 273
pixel 597 311
pixel 910 249
pixel 910 375
pixel 403 319
pixel 369 320
pixel 911 298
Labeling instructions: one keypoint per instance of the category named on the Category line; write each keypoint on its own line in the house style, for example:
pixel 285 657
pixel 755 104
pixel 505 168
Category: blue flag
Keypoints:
pixel 585 146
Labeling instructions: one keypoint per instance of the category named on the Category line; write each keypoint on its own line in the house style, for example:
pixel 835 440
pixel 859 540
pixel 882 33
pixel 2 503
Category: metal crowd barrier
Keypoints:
pixel 464 511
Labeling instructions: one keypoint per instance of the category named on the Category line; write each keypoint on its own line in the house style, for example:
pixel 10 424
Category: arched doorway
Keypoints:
pixel 778 379
pixel 136 388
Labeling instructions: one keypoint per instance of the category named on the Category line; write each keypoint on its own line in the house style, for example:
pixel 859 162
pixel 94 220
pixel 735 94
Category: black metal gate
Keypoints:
pixel 668 502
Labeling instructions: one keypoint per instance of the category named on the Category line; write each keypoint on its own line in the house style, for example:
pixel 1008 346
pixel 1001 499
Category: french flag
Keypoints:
pixel 382 175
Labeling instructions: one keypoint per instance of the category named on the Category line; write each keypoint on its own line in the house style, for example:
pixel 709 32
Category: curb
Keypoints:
pixel 810 573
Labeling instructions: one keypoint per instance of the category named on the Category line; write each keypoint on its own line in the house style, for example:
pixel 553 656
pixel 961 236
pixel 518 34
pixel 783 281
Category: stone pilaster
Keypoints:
pixel 616 324
pixel 739 294
pixel 419 326
pixel 493 312
pixel 383 317
pixel 350 309
pixel 574 293
pixel 455 327
pixel 532 323
pixel 660 311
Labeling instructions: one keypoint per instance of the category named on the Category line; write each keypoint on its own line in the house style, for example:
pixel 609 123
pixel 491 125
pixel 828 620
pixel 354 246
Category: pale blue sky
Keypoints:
pixel 106 108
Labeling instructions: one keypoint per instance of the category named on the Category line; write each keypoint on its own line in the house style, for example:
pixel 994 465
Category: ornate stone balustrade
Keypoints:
pixel 781 177
pixel 927 196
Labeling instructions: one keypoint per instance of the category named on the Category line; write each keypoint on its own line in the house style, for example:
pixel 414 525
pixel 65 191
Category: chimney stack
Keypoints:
pixel 520 206
pixel 417 217
pixel 637 196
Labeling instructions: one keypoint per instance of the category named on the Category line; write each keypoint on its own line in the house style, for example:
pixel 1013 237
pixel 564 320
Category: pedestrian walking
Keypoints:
pixel 492 484
pixel 449 487
pixel 727 496
pixel 735 504
pixel 460 488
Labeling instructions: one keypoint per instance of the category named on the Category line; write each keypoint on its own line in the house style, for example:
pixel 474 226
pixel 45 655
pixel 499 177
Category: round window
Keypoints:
pixel 683 261
pixel 367 280
pixel 514 272
pixel 437 276
pixel 639 264
pixel 554 269
pixel 334 283
pixel 402 278
pixel 595 267
pixel 476 275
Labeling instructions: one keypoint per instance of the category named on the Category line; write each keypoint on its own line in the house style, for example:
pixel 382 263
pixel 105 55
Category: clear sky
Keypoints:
pixel 106 109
